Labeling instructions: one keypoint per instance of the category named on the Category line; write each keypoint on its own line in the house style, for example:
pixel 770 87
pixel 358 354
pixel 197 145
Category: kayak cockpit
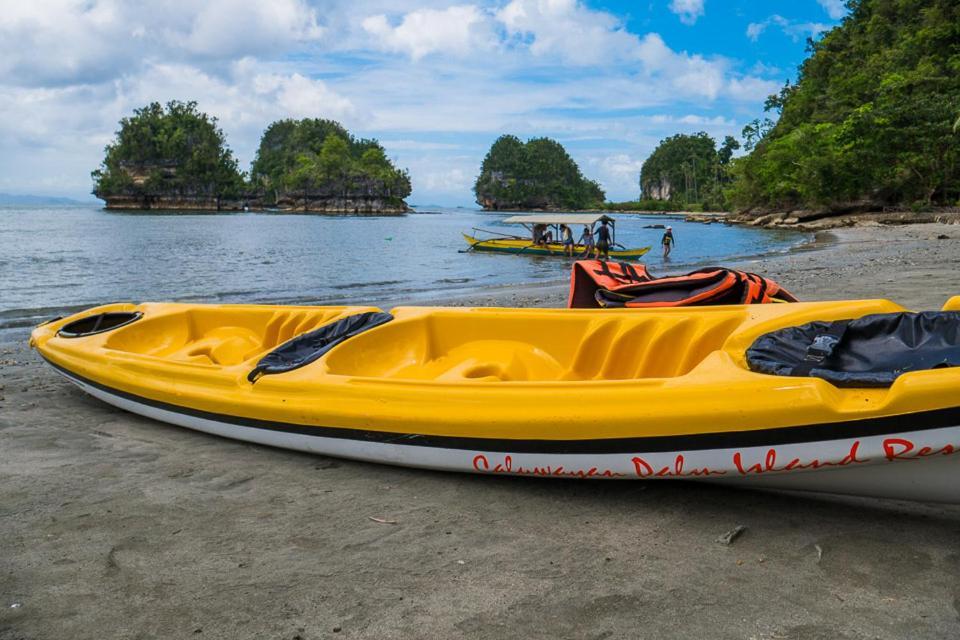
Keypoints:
pixel 218 335
pixel 516 346
pixel 98 323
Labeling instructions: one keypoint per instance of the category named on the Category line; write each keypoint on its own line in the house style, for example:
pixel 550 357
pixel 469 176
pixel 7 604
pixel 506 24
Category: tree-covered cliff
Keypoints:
pixel 173 156
pixel 317 165
pixel 538 174
pixel 870 120
pixel 688 170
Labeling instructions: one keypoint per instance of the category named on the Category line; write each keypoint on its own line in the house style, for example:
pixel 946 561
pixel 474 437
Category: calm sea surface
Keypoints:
pixel 55 260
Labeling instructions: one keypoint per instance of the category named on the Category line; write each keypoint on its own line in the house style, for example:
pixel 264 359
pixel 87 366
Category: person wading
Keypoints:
pixel 667 241
pixel 586 239
pixel 603 241
pixel 566 236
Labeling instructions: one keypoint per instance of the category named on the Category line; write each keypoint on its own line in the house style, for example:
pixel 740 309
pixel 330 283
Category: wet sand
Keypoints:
pixel 115 526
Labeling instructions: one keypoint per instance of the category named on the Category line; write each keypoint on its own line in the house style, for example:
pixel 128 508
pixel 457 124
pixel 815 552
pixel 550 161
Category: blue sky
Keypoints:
pixel 436 82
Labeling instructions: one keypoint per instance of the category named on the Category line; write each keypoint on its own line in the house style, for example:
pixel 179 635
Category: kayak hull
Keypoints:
pixel 444 404
pixel 524 247
pixel 864 472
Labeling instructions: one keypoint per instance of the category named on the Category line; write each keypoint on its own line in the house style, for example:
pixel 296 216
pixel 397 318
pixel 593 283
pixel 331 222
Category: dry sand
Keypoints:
pixel 114 526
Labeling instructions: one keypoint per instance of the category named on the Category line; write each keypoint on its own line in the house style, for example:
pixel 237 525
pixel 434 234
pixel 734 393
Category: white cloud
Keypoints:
pixel 61 131
pixel 225 28
pixel 751 89
pixel 457 30
pixel 796 30
pixel 416 145
pixel 567 30
pixel 618 172
pixel 83 41
pixel 448 181
pixel 756 29
pixel 436 82
pixel 688 10
pixel 836 9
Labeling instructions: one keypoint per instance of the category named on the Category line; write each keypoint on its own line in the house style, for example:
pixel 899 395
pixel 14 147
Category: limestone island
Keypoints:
pixel 536 175
pixel 176 158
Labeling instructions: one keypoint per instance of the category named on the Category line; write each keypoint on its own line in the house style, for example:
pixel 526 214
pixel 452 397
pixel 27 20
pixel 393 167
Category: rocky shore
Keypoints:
pixel 806 220
pixel 333 206
pixel 170 203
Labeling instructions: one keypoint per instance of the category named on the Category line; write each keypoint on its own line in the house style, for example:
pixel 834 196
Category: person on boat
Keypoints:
pixel 538 230
pixel 604 241
pixel 586 239
pixel 542 235
pixel 667 242
pixel 566 236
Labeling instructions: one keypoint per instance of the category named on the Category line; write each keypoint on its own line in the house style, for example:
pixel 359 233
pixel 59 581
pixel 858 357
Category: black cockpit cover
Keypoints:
pixel 871 351
pixel 306 348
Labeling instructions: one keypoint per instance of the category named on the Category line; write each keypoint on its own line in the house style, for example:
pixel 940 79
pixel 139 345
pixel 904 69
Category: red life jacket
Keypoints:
pixel 596 283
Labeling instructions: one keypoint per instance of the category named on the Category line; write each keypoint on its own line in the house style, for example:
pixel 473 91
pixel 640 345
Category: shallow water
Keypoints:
pixel 54 260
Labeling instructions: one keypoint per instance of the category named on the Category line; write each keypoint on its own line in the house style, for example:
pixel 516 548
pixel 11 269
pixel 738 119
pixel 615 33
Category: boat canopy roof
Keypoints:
pixel 558 218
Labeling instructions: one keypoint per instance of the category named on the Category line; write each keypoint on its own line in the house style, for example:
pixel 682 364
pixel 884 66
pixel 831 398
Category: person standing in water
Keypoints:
pixel 603 241
pixel 566 237
pixel 586 239
pixel 667 241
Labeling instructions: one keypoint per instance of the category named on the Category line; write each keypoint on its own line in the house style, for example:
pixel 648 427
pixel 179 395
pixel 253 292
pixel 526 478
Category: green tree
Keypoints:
pixel 319 158
pixel 536 174
pixel 168 151
pixel 869 121
pixel 686 170
pixel 729 146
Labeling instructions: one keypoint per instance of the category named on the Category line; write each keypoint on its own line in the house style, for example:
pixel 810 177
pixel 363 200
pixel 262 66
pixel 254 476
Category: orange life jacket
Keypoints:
pixel 596 283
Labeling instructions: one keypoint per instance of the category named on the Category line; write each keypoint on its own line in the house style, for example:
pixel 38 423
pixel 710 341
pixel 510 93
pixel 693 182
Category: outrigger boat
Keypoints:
pixel 516 244
pixel 840 397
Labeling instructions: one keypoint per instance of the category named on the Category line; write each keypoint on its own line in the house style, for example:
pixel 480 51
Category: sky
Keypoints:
pixel 436 82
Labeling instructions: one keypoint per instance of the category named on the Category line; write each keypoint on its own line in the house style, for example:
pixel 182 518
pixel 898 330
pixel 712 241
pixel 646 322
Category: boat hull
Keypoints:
pixel 618 394
pixel 907 465
pixel 524 247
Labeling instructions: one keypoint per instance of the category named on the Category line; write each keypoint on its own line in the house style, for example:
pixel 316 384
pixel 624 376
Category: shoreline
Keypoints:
pixel 856 262
pixel 552 293
pixel 115 524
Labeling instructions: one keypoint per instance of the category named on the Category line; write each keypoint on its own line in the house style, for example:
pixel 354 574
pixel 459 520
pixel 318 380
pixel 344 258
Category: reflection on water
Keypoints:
pixel 57 259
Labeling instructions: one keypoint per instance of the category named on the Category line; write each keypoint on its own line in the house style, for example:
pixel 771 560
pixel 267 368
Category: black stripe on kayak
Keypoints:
pixel 911 422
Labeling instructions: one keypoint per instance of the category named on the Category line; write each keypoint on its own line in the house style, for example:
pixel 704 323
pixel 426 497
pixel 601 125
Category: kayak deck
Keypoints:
pixel 523 246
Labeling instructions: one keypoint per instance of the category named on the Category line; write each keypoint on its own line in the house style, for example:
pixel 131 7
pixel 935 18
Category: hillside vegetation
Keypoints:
pixel 302 162
pixel 538 174
pixel 173 152
pixel 175 157
pixel 871 119
pixel 686 170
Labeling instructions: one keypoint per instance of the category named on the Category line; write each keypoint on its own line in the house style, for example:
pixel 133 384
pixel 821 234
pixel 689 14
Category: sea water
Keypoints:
pixel 56 260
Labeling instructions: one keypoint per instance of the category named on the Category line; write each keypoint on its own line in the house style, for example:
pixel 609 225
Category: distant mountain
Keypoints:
pixel 10 198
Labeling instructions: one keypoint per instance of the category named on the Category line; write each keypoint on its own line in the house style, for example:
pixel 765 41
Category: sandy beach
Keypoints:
pixel 115 526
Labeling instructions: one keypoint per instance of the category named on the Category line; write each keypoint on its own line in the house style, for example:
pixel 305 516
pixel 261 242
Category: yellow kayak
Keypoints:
pixel 523 246
pixel 532 392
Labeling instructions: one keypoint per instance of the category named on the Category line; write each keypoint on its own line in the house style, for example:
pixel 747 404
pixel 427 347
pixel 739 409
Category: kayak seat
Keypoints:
pixel 218 336
pixel 492 346
pixel 871 352
pixel 308 347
